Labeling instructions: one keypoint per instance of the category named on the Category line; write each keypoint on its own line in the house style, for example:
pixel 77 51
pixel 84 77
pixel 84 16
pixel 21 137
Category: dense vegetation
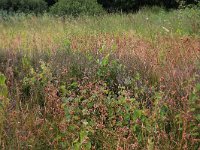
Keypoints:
pixel 132 5
pixel 77 7
pixel 36 6
pixel 117 81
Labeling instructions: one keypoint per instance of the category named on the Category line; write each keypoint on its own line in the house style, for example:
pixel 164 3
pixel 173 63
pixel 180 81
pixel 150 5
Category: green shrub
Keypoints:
pixel 36 6
pixel 3 4
pixel 76 7
pixel 33 5
pixel 3 101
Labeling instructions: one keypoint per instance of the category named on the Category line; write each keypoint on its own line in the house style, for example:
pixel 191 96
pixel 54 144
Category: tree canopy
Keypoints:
pixel 63 7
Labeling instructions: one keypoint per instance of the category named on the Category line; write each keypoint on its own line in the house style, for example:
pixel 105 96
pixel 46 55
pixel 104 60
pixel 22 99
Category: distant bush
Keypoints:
pixel 76 7
pixel 33 5
pixel 134 5
pixel 36 6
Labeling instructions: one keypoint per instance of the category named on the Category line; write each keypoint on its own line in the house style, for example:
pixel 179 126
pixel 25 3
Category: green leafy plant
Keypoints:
pixel 4 101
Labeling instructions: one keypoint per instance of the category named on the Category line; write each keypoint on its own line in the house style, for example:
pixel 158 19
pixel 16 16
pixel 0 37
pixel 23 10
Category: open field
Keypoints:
pixel 118 81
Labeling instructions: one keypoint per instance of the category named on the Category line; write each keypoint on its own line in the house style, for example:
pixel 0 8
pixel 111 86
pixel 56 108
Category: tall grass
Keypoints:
pixel 119 81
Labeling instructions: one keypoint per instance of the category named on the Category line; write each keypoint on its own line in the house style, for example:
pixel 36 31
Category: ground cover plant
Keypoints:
pixel 117 81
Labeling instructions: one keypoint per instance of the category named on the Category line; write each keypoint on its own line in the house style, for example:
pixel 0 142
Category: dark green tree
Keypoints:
pixel 76 7
pixel 36 6
pixel 133 5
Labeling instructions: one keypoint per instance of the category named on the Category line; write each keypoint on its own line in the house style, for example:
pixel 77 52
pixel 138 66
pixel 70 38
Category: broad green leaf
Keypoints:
pixel 2 79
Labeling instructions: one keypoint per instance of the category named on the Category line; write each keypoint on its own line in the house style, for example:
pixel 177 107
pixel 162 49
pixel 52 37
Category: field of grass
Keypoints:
pixel 118 81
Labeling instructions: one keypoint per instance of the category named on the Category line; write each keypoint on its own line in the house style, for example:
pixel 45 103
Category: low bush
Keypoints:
pixel 76 7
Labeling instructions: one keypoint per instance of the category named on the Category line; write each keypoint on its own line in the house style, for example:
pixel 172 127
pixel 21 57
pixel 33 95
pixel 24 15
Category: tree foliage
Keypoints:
pixel 76 7
pixel 36 6
pixel 132 5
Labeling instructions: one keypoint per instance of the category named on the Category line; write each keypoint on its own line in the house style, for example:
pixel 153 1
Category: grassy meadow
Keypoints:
pixel 117 81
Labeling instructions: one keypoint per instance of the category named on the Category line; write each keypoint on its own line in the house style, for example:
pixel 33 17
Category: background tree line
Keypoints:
pixel 76 7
